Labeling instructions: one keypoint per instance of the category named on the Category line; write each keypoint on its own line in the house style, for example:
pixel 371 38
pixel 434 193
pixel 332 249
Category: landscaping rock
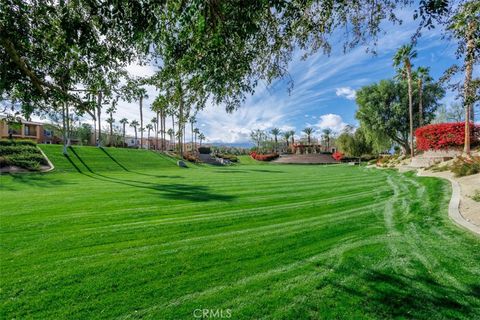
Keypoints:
pixel 181 164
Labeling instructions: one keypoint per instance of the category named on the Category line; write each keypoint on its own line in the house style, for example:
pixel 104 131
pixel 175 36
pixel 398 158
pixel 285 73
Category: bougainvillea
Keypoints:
pixel 263 157
pixel 337 156
pixel 445 135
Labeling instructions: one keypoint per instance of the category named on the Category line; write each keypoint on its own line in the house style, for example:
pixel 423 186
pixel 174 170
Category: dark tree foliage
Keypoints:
pixel 218 49
pixel 383 110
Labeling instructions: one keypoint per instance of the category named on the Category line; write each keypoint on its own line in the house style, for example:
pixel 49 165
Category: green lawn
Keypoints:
pixel 127 235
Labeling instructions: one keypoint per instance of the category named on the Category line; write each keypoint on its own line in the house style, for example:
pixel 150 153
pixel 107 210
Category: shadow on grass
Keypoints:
pixel 230 171
pixel 400 296
pixel 40 180
pixel 171 191
pixel 265 170
pixel 136 172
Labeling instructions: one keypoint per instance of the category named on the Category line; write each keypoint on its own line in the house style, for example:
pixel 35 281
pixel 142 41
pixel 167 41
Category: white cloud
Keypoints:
pixel 221 126
pixel 346 92
pixel 330 121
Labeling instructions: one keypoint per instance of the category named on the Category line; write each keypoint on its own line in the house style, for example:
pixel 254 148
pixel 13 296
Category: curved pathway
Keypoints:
pixel 454 204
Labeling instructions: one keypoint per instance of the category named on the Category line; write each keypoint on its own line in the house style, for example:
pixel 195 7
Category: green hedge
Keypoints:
pixel 21 153
pixel 229 157
pixel 204 150
pixel 15 142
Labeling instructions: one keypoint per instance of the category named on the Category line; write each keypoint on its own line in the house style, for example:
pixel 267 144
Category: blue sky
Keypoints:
pixel 323 95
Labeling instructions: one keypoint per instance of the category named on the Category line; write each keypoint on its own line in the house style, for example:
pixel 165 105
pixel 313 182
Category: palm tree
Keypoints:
pixel 134 124
pixel 142 93
pixel 99 113
pixel 171 133
pixel 124 122
pixel 292 135
pixel 160 106
pixel 403 57
pixel 154 123
pixel 286 136
pixel 465 27
pixel 423 76
pixel 326 135
pixel 149 127
pixel 275 132
pixel 196 131
pixel 192 121
pixel 201 137
pixel 171 112
pixel 110 120
pixel 308 132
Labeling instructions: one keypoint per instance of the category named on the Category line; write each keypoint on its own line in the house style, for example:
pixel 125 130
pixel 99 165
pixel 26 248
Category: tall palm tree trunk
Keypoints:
pixel 420 102
pixel 99 112
pixel 173 130
pixel 156 131
pixel 141 122
pixel 164 132
pixel 410 105
pixel 469 59
pixel 191 127
pixel 123 142
pixel 180 128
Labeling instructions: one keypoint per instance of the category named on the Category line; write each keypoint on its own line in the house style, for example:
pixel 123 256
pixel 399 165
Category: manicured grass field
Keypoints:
pixel 119 234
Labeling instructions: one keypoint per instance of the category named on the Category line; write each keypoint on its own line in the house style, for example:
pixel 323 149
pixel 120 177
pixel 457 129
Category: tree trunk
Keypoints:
pixel 191 126
pixel 64 129
pixel 420 102
pixel 99 112
pixel 69 142
pixel 123 143
pixel 180 127
pixel 410 105
pixel 173 131
pixel 156 131
pixel 468 96
pixel 111 129
pixel 141 122
pixel 164 132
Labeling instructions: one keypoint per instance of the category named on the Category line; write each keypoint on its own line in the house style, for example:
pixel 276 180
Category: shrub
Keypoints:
pixel 264 157
pixel 190 157
pixel 21 153
pixel 36 157
pixel 476 196
pixel 465 167
pixel 25 163
pixel 445 135
pixel 25 143
pixel 337 156
pixel 204 150
pixel 13 149
pixel 3 162
pixel 229 157
pixel 13 142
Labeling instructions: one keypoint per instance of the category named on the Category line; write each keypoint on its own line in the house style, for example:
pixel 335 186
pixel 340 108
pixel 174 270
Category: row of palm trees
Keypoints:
pixel 259 136
pixel 158 126
pixel 464 26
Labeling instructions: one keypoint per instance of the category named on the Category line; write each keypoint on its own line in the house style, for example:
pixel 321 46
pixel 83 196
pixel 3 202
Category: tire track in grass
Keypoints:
pixel 398 261
pixel 411 237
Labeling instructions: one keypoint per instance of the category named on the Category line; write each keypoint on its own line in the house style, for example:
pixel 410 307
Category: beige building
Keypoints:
pixel 25 130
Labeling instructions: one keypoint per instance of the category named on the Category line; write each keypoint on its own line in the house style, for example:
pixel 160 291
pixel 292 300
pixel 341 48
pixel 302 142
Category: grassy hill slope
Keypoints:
pixel 93 159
